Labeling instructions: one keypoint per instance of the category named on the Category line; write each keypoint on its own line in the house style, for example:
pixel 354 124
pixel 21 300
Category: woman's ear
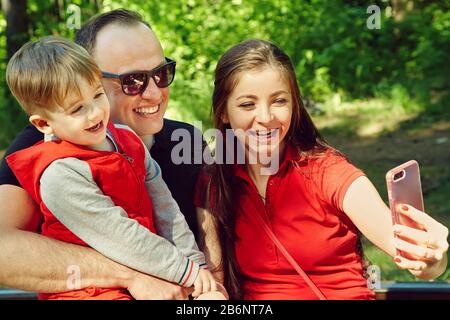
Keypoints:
pixel 41 124
pixel 224 117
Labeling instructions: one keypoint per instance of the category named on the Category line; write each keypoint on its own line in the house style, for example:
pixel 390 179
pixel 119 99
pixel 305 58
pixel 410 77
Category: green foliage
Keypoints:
pixel 406 61
pixel 11 116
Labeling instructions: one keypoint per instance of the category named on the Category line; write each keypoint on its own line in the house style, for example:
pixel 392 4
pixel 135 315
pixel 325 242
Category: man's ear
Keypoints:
pixel 41 124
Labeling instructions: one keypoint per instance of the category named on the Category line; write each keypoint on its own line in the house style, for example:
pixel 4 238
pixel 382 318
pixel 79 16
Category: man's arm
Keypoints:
pixel 33 262
pixel 29 261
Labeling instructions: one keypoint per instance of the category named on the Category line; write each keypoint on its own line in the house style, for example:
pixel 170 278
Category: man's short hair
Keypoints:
pixel 41 73
pixel 87 35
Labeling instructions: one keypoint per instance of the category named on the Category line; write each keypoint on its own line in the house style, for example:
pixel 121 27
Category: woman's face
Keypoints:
pixel 259 110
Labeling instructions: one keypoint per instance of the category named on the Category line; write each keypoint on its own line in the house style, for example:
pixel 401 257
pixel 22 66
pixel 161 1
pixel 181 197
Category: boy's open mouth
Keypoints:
pixel 95 128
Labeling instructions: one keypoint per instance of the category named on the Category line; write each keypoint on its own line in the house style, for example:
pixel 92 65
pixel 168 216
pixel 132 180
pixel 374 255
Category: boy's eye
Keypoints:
pixel 98 95
pixel 77 109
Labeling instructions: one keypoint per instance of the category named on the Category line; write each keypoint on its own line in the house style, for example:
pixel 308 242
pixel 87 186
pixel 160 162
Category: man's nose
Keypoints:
pixel 152 92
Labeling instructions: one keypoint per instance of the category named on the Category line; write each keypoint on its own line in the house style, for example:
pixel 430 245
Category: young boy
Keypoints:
pixel 58 85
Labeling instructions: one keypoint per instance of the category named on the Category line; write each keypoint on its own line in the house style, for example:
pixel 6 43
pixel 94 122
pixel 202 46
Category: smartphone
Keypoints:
pixel 403 185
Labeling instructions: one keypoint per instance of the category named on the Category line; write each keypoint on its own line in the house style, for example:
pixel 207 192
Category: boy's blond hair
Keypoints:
pixel 41 73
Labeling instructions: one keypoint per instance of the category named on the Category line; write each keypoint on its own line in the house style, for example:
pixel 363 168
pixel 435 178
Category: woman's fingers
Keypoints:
pixel 437 233
pixel 415 236
pixel 417 216
pixel 423 242
pixel 413 265
pixel 416 251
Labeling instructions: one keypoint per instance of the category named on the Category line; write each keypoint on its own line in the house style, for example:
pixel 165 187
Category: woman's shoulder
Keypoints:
pixel 326 165
pixel 322 160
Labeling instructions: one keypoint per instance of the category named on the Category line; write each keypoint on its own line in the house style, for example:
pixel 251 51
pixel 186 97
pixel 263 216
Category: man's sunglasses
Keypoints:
pixel 135 82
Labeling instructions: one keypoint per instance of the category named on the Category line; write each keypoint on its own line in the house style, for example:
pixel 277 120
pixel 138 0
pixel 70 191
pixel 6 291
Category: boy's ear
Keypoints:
pixel 41 124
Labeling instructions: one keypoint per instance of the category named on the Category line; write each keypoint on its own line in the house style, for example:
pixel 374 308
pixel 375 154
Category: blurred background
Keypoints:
pixel 373 74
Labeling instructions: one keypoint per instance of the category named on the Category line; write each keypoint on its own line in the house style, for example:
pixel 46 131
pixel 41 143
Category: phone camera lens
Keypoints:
pixel 399 175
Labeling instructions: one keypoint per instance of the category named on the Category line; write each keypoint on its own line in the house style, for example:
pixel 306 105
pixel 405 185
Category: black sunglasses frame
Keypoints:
pixel 149 74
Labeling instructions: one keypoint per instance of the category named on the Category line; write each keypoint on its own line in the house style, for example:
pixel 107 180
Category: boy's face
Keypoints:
pixel 83 118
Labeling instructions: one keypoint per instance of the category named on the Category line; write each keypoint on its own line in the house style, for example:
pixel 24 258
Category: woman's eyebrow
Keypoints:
pixel 250 96
pixel 276 93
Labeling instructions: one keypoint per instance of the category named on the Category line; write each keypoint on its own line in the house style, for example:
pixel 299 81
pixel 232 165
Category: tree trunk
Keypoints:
pixel 400 7
pixel 16 25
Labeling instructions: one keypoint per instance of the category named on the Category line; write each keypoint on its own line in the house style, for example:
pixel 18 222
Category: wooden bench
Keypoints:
pixel 12 294
pixel 422 290
pixel 389 291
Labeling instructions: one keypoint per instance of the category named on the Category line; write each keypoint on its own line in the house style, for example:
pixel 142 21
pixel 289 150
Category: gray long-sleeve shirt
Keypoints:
pixel 70 193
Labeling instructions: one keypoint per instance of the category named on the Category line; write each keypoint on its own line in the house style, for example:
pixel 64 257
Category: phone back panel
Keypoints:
pixel 403 185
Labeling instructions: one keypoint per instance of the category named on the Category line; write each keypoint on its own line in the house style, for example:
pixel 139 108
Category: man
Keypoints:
pixel 120 42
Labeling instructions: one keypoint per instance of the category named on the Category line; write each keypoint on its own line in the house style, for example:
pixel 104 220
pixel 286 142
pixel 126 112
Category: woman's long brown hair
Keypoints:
pixel 222 195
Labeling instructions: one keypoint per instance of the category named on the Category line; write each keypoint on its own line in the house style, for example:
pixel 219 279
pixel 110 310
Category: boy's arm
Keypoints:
pixel 169 221
pixel 95 219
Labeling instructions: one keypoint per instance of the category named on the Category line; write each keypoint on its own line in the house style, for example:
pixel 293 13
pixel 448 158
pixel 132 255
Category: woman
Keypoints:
pixel 313 200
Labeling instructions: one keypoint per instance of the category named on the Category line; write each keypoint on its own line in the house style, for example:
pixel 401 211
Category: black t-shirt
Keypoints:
pixel 180 178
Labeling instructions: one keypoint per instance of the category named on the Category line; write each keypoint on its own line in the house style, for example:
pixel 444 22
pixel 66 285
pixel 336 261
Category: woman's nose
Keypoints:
pixel 263 114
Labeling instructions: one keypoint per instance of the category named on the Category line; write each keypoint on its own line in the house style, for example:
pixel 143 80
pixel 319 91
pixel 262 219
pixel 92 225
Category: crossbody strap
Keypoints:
pixel 289 258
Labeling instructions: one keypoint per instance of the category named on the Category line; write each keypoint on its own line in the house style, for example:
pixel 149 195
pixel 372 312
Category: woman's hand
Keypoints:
pixel 422 242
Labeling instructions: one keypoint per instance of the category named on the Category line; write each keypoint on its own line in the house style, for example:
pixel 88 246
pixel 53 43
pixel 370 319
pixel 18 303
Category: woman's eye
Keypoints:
pixel 246 104
pixel 280 101
pixel 77 109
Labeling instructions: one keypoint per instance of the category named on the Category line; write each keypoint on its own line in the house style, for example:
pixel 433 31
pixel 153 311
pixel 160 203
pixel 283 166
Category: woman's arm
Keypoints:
pixel 209 242
pixel 364 206
pixel 210 245
pixel 372 217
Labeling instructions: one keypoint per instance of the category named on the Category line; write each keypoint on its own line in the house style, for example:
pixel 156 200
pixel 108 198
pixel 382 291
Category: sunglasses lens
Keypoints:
pixel 134 83
pixel 164 76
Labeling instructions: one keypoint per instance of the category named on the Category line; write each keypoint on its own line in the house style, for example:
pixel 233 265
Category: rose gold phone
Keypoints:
pixel 403 185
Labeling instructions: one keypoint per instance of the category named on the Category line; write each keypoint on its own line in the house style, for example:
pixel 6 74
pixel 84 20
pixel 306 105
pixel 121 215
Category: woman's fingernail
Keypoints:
pixel 397 259
pixel 404 208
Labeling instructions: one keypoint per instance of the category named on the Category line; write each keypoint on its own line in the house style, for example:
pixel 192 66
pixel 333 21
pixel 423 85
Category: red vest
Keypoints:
pixel 120 175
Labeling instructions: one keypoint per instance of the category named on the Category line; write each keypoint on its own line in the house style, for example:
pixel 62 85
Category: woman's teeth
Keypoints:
pixel 266 133
pixel 147 111
pixel 263 133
